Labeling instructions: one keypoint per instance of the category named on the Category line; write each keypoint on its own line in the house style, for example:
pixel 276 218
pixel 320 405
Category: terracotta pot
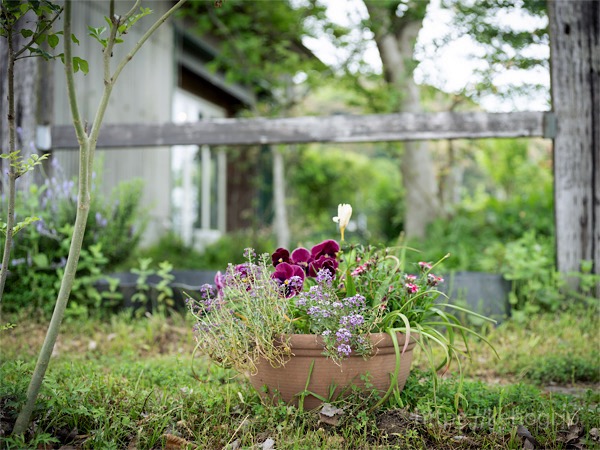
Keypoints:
pixel 287 381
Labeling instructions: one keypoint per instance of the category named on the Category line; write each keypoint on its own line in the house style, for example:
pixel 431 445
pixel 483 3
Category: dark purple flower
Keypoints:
pixel 281 255
pixel 283 275
pixel 328 248
pixel 323 263
pixel 301 257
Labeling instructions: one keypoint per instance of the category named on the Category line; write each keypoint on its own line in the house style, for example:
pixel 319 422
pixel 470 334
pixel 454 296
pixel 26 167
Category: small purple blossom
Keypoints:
pixel 324 278
pixel 352 320
pixel 344 350
pixel 343 335
pixel 323 263
pixel 357 301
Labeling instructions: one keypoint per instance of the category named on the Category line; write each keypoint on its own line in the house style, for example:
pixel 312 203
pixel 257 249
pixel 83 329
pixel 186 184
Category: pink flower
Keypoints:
pixel 411 288
pixel 424 265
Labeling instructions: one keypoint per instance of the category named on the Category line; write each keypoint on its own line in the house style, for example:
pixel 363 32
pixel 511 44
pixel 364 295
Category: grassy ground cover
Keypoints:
pixel 129 384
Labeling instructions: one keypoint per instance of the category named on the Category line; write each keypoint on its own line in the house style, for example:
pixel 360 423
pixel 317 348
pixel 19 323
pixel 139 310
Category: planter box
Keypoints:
pixel 484 293
pixel 186 281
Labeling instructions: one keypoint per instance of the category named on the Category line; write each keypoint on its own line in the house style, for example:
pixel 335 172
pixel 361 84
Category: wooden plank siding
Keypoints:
pixel 342 128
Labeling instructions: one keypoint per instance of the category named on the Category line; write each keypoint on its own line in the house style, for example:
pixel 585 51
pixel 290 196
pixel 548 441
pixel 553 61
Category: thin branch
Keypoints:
pixel 39 33
pixel 145 37
pixel 79 130
pixel 132 11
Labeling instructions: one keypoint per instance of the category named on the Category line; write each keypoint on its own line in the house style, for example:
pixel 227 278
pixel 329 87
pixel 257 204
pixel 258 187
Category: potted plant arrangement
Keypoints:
pixel 311 325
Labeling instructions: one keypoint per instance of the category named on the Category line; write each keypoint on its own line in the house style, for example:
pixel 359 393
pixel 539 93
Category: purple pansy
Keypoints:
pixel 301 257
pixel 328 248
pixel 290 277
pixel 323 263
pixel 281 255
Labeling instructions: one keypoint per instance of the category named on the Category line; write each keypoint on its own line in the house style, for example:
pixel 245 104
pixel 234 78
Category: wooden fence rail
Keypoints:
pixel 341 128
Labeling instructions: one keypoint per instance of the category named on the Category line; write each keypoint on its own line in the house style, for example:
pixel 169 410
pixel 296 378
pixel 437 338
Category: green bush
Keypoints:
pixel 40 250
pixel 564 369
pixel 320 180
pixel 228 249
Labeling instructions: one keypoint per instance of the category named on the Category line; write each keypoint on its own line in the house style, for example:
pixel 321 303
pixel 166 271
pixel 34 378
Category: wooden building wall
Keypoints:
pixel 143 94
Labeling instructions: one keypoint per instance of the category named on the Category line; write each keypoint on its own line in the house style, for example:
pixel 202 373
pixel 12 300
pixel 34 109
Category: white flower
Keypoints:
pixel 343 217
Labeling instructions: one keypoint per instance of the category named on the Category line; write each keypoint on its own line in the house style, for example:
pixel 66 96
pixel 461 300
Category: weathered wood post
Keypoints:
pixel 575 74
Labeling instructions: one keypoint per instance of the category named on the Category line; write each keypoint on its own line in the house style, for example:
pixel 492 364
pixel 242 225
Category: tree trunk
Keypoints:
pixel 575 74
pixel 396 37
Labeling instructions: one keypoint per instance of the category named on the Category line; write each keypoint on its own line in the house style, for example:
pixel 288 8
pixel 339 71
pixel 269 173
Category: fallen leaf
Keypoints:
pixel 269 444
pixel 329 410
pixel 330 415
pixel 529 440
pixel 574 433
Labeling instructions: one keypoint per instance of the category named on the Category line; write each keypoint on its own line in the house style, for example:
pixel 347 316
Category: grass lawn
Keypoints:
pixel 129 384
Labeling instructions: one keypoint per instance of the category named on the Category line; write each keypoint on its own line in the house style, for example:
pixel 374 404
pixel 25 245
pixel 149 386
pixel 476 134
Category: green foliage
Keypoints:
pixel 18 226
pixel 45 13
pixel 260 43
pixel 40 251
pixel 507 49
pixel 215 256
pixel 169 247
pixel 122 28
pixel 320 180
pixel 23 166
pixel 136 385
pixel 154 295
pixel 507 191
pixel 229 248
pixel 564 369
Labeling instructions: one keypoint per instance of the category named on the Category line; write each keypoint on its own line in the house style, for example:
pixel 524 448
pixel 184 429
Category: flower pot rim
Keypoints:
pixel 383 338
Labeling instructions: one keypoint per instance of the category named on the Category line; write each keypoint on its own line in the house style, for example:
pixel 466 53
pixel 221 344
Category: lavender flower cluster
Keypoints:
pixel 340 322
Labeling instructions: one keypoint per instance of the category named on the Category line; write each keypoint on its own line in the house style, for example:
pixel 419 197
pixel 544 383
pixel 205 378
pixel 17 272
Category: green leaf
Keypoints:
pixel 53 40
pixel 74 39
pixel 350 286
pixel 39 40
pixel 83 65
pixel 41 260
pixel 26 33
pixel 19 226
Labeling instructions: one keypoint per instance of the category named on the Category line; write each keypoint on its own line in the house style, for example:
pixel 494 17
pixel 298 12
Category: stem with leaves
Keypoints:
pixel 12 174
pixel 10 17
pixel 87 147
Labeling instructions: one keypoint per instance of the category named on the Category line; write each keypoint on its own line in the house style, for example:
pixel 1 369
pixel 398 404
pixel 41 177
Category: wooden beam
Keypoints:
pixel 575 80
pixel 342 128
